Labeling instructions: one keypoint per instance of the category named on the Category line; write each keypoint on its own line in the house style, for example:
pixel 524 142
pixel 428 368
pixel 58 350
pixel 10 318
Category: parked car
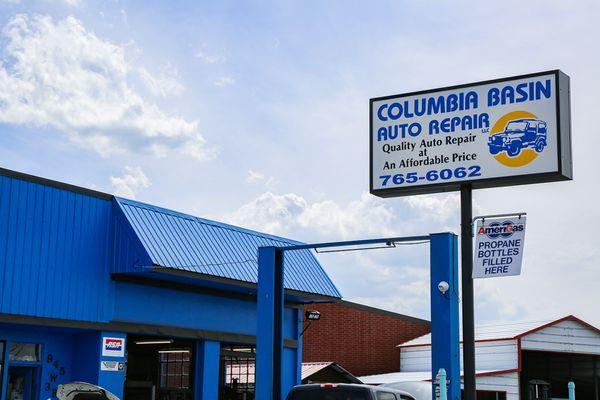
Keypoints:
pixel 519 134
pixel 342 391
pixel 83 391
pixel 420 390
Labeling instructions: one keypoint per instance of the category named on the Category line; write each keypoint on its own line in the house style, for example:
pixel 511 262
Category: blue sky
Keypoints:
pixel 256 113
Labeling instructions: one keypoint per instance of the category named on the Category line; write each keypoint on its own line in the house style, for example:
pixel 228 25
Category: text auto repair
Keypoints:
pixel 454 102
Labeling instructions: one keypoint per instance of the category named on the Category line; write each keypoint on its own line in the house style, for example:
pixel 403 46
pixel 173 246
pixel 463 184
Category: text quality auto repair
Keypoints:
pixel 143 301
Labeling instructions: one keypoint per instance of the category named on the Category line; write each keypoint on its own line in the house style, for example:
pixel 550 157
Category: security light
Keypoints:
pixel 312 315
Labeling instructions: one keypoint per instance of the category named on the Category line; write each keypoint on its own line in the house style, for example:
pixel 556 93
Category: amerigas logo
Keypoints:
pixel 504 229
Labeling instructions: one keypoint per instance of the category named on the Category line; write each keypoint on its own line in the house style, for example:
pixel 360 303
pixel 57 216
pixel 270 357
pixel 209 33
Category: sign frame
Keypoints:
pixel 106 352
pixel 563 135
pixel 516 266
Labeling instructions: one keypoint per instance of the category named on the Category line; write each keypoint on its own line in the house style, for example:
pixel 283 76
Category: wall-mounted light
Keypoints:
pixel 155 341
pixel 312 315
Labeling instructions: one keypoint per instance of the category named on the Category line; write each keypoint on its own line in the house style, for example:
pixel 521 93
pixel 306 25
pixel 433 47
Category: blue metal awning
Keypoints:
pixel 179 244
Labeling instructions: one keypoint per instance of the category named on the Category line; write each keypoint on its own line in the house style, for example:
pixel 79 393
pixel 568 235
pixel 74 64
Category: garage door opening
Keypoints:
pixel 238 372
pixel 159 368
pixel 552 372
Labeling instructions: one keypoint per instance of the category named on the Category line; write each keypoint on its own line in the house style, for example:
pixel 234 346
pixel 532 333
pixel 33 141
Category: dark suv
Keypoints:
pixel 519 134
pixel 333 391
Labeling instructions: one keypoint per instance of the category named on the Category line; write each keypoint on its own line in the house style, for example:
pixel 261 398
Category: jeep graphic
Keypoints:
pixel 519 134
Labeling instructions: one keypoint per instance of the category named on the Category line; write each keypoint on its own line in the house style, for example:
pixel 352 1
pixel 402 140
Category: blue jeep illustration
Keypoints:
pixel 519 134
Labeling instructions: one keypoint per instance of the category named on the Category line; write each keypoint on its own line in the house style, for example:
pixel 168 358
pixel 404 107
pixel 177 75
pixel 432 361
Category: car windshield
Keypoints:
pixel 516 126
pixel 330 394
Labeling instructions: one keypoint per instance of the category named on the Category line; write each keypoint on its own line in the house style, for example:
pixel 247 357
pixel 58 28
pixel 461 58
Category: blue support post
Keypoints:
pixel 445 347
pixel 113 381
pixel 269 330
pixel 571 390
pixel 207 356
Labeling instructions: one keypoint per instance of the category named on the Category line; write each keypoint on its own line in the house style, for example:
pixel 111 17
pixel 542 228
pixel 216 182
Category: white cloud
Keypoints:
pixel 132 180
pixel 254 176
pixel 271 183
pixel 208 58
pixel 165 84
pixel 224 81
pixel 290 214
pixel 439 207
pixel 73 3
pixel 60 75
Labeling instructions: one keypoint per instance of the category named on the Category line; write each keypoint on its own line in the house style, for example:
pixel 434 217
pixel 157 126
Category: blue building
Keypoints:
pixel 146 302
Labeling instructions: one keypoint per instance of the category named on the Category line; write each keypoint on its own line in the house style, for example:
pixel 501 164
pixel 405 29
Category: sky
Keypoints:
pixel 256 113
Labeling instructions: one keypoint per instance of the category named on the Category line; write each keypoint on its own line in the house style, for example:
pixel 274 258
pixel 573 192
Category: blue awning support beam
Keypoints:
pixel 349 243
pixel 444 309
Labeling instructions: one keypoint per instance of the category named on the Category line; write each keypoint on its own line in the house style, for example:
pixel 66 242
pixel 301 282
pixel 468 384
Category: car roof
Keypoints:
pixel 351 385
pixel 526 120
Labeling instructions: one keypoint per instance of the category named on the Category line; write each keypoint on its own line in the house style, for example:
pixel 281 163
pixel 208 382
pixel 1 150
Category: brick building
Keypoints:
pixel 361 339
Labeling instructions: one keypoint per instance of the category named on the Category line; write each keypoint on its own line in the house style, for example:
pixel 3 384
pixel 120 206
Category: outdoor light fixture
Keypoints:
pixel 312 315
pixel 154 341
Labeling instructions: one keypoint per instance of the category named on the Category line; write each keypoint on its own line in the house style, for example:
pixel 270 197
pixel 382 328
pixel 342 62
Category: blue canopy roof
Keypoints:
pixel 182 242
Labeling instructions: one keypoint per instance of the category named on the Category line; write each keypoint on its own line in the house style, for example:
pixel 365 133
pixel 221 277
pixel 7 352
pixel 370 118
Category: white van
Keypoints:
pixel 333 391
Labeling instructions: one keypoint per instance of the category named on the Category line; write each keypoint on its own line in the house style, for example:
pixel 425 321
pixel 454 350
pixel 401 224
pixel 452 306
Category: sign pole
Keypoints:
pixel 468 318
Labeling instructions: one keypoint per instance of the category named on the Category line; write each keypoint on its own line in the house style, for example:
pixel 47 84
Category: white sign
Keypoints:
pixel 113 347
pixel 499 247
pixel 495 133
pixel 111 366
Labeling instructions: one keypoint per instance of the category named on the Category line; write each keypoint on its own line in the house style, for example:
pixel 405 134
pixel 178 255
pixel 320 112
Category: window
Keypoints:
pixel 386 396
pixel 330 394
pixel 542 128
pixel 174 369
pixel 238 371
pixel 26 352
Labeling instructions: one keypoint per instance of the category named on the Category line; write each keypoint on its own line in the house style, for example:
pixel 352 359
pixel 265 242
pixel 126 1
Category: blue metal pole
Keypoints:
pixel 269 330
pixel 206 384
pixel 571 390
pixel 442 383
pixel 445 348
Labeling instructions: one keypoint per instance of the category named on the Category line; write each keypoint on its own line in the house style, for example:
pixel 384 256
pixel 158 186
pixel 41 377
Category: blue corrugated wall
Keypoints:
pixel 58 249
pixel 54 252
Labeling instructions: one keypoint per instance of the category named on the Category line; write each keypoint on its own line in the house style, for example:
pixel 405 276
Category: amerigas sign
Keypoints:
pixel 499 247
pixel 495 133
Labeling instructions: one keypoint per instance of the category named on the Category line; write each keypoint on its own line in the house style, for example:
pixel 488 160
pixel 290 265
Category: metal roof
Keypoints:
pixel 508 330
pixel 394 377
pixel 311 368
pixel 183 242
